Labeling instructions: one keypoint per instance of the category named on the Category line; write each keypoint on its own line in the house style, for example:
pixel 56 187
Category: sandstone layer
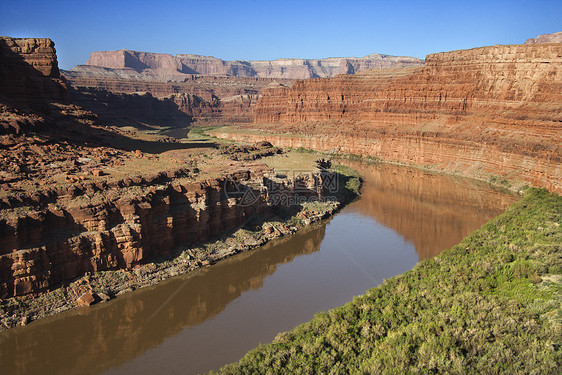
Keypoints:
pixel 205 99
pixel 29 70
pixel 158 66
pixel 485 112
pixel 79 234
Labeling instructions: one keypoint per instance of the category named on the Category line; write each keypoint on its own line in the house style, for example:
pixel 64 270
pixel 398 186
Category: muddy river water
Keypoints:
pixel 192 324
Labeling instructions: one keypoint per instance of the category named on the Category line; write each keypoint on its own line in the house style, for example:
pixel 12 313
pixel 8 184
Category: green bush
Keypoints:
pixel 491 304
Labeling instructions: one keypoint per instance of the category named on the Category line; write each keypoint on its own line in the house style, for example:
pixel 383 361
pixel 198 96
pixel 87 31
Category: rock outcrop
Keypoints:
pixel 82 232
pixel 158 66
pixel 546 38
pixel 69 204
pixel 29 70
pixel 46 247
pixel 490 111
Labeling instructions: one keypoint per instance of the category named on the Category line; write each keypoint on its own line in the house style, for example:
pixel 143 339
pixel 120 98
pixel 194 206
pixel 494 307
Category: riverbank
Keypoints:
pixel 102 286
pixel 491 304
pixel 369 150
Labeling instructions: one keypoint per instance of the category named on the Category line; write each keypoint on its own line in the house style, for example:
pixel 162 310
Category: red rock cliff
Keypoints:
pixel 158 66
pixel 490 111
pixel 29 70
pixel 41 247
pixel 208 99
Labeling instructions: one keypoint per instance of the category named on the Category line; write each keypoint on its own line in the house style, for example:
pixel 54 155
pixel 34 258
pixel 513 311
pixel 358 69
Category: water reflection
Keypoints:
pixel 88 341
pixel 432 211
pixel 189 325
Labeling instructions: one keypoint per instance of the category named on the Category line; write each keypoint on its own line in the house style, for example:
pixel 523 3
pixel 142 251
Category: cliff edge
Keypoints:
pixel 29 70
pixel 546 38
pixel 490 112
pixel 128 64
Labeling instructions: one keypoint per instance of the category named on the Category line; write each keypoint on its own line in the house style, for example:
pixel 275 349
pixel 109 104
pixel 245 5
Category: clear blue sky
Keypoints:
pixel 254 29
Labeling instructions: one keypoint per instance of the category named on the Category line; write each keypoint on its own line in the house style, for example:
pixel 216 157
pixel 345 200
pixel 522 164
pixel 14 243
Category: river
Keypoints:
pixel 192 324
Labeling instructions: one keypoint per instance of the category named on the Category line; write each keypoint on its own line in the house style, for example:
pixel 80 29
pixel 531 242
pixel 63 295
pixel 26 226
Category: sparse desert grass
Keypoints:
pixel 205 134
pixel 293 161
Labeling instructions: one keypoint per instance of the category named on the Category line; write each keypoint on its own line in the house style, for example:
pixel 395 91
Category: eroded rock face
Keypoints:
pixel 485 111
pixel 546 38
pixel 63 231
pixel 29 70
pixel 211 89
pixel 158 66
pixel 39 249
pixel 206 99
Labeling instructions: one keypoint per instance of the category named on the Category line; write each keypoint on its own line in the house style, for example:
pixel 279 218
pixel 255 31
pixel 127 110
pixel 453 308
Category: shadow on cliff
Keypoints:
pixel 70 124
pixel 34 101
pixel 141 111
pixel 22 83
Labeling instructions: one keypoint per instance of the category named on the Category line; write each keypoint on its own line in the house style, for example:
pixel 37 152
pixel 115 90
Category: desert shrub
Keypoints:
pixel 491 304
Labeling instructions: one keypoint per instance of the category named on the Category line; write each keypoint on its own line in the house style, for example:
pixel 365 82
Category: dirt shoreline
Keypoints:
pixel 103 286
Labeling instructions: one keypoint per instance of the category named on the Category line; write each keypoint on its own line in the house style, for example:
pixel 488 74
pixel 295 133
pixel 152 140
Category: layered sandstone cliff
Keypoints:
pixel 205 99
pixel 218 90
pixel 158 66
pixel 490 111
pixel 29 70
pixel 122 224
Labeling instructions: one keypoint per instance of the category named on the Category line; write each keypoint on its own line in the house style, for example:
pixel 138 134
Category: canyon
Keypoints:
pixel 488 113
pixel 428 211
pixel 210 90
pixel 81 196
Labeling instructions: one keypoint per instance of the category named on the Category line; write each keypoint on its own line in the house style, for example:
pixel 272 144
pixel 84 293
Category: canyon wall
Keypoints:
pixel 229 89
pixel 490 111
pixel 206 99
pixel 158 66
pixel 29 70
pixel 139 219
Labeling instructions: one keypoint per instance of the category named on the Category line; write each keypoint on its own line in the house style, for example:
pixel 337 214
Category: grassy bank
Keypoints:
pixel 491 304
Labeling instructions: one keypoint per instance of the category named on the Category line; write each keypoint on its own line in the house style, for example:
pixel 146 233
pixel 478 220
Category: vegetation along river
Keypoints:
pixel 192 324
